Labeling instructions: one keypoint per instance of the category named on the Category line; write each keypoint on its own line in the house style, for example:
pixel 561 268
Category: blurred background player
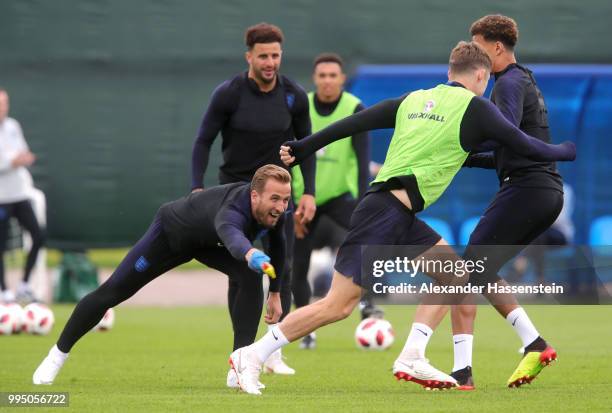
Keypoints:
pixel 256 111
pixel 536 186
pixel 216 227
pixel 15 190
pixel 342 174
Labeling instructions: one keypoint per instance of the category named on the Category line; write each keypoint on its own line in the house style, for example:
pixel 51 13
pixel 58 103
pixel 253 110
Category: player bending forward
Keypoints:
pixel 216 227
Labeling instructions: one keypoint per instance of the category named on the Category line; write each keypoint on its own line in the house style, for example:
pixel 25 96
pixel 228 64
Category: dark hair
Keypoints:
pixel 328 58
pixel 468 56
pixel 262 33
pixel 269 172
pixel 496 27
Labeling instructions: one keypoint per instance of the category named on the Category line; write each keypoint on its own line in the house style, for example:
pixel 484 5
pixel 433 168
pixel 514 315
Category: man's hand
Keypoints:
pixel 273 309
pixel 260 262
pixel 26 158
pixel 306 209
pixel 194 190
pixel 286 156
pixel 301 230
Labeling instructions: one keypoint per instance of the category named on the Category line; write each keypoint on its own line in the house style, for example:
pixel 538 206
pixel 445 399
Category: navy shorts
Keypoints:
pixel 381 219
pixel 505 229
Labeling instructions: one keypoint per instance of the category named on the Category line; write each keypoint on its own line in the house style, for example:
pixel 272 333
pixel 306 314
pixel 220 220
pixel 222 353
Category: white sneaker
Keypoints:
pixel 49 368
pixel 247 367
pixel 7 296
pixel 419 370
pixel 25 294
pixel 275 364
pixel 232 381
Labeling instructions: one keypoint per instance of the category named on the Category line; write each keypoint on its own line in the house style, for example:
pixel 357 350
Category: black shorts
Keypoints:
pixel 381 219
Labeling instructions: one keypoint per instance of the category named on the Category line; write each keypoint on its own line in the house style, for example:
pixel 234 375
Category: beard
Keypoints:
pixel 265 219
pixel 260 76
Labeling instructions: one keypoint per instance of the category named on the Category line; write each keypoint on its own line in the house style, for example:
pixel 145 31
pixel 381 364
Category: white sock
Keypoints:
pixel 57 354
pixel 273 340
pixel 462 344
pixel 519 320
pixel 417 341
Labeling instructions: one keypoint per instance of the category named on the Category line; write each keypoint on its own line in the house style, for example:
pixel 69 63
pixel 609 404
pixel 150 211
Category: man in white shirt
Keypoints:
pixel 15 187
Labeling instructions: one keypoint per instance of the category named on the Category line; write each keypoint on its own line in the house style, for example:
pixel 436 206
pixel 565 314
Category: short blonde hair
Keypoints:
pixel 467 56
pixel 269 172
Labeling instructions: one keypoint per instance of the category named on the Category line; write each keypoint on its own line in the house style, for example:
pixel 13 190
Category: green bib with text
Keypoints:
pixel 425 142
pixel 337 171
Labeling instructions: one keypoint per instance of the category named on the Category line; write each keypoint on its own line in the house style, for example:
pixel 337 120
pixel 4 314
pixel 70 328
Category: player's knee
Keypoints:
pixel 343 308
pixel 98 298
pixel 350 305
pixel 329 309
pixel 465 311
pixel 110 295
pixel 347 310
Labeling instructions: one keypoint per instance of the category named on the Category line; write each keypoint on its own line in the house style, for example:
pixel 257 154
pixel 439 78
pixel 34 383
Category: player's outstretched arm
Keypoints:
pixel 379 116
pixel 228 224
pixel 491 124
pixel 213 121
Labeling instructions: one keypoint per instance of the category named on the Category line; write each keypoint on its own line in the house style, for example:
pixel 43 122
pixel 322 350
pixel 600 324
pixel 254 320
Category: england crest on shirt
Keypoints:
pixel 290 99
pixel 142 264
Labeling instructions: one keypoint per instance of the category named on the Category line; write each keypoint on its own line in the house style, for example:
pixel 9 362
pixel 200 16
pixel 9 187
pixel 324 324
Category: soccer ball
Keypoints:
pixel 39 319
pixel 7 320
pixel 374 334
pixel 18 317
pixel 107 321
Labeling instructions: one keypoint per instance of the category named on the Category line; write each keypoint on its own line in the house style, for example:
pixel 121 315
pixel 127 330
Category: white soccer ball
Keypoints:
pixel 39 319
pixel 7 320
pixel 374 334
pixel 18 317
pixel 107 321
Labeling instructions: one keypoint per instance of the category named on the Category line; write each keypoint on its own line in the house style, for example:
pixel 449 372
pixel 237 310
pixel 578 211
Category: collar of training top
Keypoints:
pixel 326 108
pixel 255 87
pixel 455 84
pixel 506 70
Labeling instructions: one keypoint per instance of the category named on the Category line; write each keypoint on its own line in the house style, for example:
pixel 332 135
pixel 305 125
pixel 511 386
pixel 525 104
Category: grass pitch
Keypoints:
pixel 175 359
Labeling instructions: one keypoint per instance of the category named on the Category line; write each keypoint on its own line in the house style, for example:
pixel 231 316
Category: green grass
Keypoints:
pixel 175 359
pixel 101 258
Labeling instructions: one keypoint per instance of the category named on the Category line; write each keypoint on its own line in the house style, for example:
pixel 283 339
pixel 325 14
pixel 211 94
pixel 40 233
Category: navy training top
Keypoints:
pixel 253 126
pixel 221 216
